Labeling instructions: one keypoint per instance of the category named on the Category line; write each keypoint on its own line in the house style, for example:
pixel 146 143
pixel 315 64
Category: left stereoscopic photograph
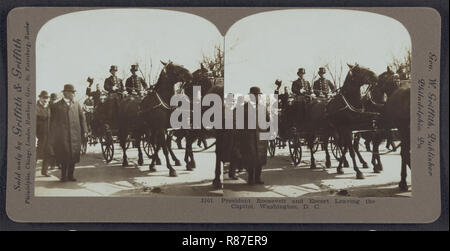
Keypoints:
pixel 104 81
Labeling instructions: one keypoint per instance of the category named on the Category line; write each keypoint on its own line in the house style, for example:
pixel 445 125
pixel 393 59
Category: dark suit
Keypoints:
pixel 42 130
pixel 111 82
pixel 300 84
pixel 135 83
pixel 94 94
pixel 323 86
pixel 67 126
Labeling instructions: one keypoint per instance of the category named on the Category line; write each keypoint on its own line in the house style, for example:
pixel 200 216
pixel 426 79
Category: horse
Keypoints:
pixel 199 79
pixel 396 114
pixel 155 112
pixel 344 113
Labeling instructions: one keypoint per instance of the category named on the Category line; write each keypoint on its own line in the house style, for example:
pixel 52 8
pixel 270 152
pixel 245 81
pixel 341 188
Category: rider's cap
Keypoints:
pixel 89 79
pixel 301 70
pixel 113 68
pixel 134 67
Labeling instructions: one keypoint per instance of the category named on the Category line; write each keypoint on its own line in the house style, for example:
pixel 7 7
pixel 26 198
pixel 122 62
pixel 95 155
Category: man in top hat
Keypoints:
pixel 323 86
pixel 301 85
pixel 95 95
pixel 113 84
pixel 67 126
pixel 135 83
pixel 42 130
pixel 253 150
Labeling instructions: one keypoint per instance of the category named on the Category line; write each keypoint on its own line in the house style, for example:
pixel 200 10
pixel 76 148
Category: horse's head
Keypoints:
pixel 388 81
pixel 199 78
pixel 358 76
pixel 174 73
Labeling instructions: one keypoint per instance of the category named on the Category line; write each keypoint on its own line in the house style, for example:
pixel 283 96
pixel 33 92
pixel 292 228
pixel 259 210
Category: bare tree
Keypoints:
pixel 402 63
pixel 215 63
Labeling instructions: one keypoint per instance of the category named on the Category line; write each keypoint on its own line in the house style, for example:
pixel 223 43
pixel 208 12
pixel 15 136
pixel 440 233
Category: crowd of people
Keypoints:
pixel 61 124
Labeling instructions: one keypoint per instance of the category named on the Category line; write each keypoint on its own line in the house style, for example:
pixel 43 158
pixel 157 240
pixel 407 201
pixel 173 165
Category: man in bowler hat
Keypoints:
pixel 67 126
pixel 323 86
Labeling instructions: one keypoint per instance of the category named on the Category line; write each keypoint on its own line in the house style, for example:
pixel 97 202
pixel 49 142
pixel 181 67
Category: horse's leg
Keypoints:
pixel 154 157
pixel 123 144
pixel 348 137
pixel 217 182
pixel 405 154
pixel 356 148
pixel 190 164
pixel 342 160
pixel 378 166
pixel 172 154
pixel 327 153
pixel 162 141
pixel 310 139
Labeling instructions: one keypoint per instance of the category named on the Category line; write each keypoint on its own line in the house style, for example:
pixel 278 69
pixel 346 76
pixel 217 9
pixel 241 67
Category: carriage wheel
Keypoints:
pixel 148 148
pixel 316 145
pixel 107 148
pixel 272 147
pixel 335 149
pixel 295 149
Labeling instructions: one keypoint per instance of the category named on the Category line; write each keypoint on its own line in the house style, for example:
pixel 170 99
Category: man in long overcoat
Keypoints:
pixel 253 150
pixel 67 126
pixel 42 130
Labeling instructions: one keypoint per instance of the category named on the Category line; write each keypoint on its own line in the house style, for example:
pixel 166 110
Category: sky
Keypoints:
pixel 264 47
pixel 71 47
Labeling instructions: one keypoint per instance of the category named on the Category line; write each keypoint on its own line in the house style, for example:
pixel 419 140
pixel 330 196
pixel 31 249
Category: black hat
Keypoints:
pixel 53 96
pixel 89 79
pixel 322 70
pixel 301 70
pixel 44 94
pixel 69 88
pixel 113 68
pixel 134 67
pixel 255 90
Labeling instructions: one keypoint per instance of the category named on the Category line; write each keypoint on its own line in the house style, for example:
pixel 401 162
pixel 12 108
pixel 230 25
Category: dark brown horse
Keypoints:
pixel 397 115
pixel 345 114
pixel 155 110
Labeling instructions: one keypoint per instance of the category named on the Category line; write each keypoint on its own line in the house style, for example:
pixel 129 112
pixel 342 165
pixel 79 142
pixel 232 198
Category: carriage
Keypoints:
pixel 294 138
pixel 105 132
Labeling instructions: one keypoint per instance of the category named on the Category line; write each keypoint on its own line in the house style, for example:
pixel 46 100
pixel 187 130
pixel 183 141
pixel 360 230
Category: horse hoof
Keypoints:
pixel 190 165
pixel 365 166
pixel 376 170
pixel 125 164
pixel 328 164
pixel 359 176
pixel 152 169
pixel 173 173
pixel 217 184
pixel 140 162
pixel 158 162
pixel 313 166
pixel 403 186
pixel 339 171
pixel 177 163
pixel 346 164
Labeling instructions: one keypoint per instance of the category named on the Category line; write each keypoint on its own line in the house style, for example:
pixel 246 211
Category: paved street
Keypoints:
pixel 96 178
pixel 281 178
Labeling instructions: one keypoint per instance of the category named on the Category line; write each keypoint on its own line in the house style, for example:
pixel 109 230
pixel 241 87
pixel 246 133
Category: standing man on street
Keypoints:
pixel 323 86
pixel 42 130
pixel 67 127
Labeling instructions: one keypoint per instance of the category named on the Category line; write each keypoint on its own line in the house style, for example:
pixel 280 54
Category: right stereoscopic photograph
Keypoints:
pixel 343 83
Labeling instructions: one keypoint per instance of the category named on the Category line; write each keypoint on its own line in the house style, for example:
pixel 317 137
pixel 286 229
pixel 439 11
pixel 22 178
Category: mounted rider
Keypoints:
pixel 301 85
pixel 135 84
pixel 323 86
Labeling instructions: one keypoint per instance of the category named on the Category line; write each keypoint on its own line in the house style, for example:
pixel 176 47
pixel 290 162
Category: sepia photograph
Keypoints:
pixel 343 83
pixel 105 79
